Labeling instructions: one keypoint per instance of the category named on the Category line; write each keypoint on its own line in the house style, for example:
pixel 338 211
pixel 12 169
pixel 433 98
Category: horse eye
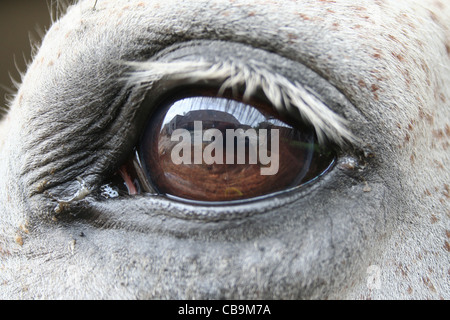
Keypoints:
pixel 208 148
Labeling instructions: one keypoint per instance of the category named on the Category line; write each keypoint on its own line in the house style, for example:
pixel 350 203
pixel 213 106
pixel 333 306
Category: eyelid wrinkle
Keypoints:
pixel 286 96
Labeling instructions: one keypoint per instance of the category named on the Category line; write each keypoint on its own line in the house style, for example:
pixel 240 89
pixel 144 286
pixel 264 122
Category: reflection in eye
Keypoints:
pixel 208 148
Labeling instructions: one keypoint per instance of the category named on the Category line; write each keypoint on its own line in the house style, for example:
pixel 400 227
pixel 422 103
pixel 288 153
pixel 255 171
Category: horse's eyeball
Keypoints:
pixel 206 148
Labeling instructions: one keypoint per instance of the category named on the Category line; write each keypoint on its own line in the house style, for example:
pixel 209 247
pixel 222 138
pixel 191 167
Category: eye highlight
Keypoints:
pixel 207 148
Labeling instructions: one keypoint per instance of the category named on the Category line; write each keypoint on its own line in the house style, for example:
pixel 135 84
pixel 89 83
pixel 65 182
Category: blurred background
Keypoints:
pixel 19 20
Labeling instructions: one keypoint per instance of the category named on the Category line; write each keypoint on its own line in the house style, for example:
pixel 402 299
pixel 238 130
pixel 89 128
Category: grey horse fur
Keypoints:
pixel 376 226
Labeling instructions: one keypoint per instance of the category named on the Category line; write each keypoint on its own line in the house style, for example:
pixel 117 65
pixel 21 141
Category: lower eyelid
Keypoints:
pixel 170 206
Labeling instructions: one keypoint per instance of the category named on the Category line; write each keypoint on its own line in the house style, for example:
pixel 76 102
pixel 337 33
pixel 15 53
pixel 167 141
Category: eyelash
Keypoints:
pixel 288 98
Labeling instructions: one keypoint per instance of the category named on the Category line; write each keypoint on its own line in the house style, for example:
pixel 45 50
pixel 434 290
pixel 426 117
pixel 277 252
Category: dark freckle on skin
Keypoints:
pixel 438 165
pixel 361 83
pixel 19 240
pixel 402 270
pixel 434 219
pixel 429 118
pixel 433 17
pixel 425 68
pixel 407 137
pixel 446 191
pixel 4 252
pixel 447 48
pixel 24 228
pixel 407 78
pixel 447 233
pixel 438 134
pixel 398 56
pixel 446 246
pixel 374 88
pixel 303 16
pixel 428 283
pixel 390 36
pixel 376 55
pixel 357 8
pixel 447 130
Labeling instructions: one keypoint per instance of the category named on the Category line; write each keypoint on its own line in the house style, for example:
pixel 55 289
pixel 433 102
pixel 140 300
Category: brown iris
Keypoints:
pixel 220 149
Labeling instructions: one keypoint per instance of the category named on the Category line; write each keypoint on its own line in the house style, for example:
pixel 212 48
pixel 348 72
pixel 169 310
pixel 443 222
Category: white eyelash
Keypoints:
pixel 282 93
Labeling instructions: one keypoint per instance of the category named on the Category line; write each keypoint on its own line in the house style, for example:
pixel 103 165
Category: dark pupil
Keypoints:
pixel 219 149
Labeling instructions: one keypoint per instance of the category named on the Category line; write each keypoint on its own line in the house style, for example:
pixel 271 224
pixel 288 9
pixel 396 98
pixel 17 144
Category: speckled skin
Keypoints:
pixel 384 204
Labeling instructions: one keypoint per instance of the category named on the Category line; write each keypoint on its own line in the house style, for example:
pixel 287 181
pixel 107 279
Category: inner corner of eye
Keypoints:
pixel 208 148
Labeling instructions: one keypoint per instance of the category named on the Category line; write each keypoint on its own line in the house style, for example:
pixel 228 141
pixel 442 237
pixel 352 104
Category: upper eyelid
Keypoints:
pixel 285 95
